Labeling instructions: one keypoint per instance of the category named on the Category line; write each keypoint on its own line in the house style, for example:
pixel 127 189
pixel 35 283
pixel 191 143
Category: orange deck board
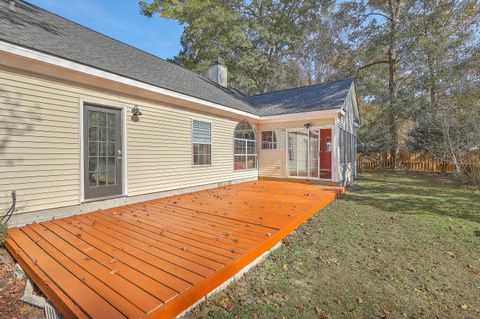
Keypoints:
pixel 155 259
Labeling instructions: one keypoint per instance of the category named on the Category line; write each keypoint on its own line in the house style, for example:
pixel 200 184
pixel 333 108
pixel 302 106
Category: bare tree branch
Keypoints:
pixel 369 65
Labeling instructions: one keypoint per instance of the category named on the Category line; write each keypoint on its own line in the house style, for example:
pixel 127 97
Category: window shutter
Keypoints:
pixel 202 132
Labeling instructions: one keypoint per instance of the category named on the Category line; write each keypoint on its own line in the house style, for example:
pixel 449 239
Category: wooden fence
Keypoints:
pixel 408 161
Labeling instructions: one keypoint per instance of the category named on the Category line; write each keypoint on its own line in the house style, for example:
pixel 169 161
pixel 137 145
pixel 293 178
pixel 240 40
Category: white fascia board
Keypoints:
pixel 301 116
pixel 355 103
pixel 74 66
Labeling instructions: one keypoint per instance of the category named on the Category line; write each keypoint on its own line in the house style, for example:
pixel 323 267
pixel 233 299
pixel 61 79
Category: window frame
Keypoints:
pixel 193 143
pixel 272 144
pixel 246 155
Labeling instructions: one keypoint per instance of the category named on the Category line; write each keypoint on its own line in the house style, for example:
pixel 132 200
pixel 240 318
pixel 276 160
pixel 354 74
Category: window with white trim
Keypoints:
pixel 269 140
pixel 244 147
pixel 201 143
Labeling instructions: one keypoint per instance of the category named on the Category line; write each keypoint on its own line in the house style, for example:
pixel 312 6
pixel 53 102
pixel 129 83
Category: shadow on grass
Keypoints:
pixel 408 194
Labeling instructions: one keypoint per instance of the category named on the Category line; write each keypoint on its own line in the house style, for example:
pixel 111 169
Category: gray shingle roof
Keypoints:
pixel 32 27
pixel 315 97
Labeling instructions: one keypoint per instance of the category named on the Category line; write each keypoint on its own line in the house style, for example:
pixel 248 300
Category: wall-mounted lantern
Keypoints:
pixel 136 113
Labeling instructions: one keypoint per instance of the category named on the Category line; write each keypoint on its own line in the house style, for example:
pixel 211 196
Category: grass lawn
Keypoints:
pixel 394 246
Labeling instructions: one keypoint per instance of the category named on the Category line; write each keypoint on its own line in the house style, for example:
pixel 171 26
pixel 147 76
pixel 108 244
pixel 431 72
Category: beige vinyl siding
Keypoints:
pixel 272 163
pixel 346 122
pixel 40 144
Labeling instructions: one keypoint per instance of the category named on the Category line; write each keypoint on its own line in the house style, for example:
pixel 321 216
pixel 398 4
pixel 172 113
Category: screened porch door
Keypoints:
pixel 303 153
pixel 102 152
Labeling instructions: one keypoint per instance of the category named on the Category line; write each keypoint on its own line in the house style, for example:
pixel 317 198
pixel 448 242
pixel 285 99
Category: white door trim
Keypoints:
pixel 287 171
pixel 123 108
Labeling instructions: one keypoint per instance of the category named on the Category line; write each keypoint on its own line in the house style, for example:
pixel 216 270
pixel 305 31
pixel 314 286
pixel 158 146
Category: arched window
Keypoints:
pixel 244 147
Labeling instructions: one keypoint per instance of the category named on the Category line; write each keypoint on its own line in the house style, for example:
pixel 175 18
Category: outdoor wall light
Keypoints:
pixel 136 113
pixel 307 125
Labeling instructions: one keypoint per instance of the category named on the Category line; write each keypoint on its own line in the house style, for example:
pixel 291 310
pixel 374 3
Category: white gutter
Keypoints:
pixel 301 116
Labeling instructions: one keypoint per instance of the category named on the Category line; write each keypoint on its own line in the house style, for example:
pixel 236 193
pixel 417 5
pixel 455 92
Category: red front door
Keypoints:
pixel 326 153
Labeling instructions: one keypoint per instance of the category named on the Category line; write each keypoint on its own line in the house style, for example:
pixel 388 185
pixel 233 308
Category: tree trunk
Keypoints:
pixel 394 7
pixel 449 145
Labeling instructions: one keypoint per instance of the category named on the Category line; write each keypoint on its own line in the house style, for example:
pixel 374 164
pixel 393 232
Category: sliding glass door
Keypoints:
pixel 314 153
pixel 298 153
pixel 303 153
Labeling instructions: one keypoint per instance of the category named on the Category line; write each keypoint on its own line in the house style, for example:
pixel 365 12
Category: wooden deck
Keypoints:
pixel 155 259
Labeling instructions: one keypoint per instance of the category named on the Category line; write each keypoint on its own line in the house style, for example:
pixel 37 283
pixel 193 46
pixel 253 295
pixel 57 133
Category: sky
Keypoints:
pixel 122 21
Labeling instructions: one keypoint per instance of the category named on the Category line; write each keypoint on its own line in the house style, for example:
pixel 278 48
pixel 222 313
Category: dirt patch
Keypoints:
pixel 11 291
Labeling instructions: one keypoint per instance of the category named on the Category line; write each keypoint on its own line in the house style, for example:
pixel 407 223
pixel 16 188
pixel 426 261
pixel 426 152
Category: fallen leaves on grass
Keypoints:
pixel 301 306
pixel 226 303
pixel 320 314
pixel 473 270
